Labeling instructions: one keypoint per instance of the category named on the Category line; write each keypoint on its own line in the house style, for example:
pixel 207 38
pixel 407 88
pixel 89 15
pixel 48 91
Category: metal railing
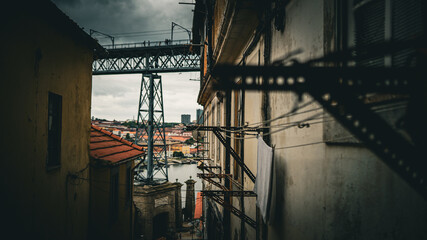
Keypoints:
pixel 166 42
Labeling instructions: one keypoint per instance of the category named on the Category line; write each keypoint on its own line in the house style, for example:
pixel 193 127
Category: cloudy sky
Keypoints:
pixel 116 96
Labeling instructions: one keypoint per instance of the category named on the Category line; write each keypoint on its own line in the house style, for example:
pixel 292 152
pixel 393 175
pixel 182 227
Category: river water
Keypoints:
pixel 182 172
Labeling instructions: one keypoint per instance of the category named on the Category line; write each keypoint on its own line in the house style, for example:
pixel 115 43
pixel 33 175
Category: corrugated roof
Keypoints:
pixel 106 146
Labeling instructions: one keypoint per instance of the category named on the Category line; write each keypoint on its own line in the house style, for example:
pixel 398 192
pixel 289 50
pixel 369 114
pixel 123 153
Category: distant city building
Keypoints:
pixel 185 118
pixel 199 116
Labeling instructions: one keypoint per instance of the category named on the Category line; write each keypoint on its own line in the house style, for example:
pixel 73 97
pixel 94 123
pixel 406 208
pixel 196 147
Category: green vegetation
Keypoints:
pixel 130 124
pixel 178 154
pixel 170 125
pixel 190 141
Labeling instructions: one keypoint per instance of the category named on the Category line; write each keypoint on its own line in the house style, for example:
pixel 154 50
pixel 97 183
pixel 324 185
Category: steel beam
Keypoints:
pixel 213 175
pixel 338 90
pixel 234 210
pixel 153 59
pixel 150 123
pixel 215 183
pixel 217 131
pixel 231 193
pixel 235 156
pixel 222 129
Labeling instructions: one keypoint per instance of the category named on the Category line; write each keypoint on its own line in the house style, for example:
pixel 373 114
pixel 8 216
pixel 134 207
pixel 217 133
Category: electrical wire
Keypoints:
pixel 291 113
pixel 377 110
pixel 276 131
pixel 144 32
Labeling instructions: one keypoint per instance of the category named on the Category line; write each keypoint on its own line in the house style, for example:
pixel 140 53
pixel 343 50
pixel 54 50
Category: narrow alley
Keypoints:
pixel 308 119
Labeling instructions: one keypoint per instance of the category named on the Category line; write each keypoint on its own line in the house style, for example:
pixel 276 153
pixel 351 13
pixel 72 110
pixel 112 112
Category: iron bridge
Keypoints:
pixel 148 57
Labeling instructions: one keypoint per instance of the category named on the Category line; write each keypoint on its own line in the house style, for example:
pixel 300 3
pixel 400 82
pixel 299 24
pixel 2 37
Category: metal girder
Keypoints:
pixel 339 91
pixel 217 131
pixel 150 123
pixel 234 210
pixel 231 193
pixel 221 129
pixel 153 59
pixel 215 183
pixel 208 167
pixel 202 159
pixel 213 175
pixel 235 156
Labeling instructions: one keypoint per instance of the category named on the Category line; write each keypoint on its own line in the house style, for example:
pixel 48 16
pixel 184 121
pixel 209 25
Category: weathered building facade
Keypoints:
pixel 46 81
pixel 112 210
pixel 326 184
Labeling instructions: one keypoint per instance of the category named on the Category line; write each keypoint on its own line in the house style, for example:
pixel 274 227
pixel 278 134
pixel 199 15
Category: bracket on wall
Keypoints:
pixel 221 138
pixel 231 193
pixel 232 209
pixel 216 195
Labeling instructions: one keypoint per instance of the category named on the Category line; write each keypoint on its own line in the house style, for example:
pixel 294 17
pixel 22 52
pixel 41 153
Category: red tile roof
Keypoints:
pixel 199 203
pixel 106 146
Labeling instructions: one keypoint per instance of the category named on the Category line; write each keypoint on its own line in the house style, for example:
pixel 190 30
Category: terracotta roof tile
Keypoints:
pixel 106 146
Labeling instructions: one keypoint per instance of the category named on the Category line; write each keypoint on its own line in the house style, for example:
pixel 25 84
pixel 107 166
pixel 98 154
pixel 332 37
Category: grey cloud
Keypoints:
pixel 115 85
pixel 128 16
pixel 116 96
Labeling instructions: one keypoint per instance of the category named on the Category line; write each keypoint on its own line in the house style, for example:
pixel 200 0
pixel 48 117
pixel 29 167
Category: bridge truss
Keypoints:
pixel 147 57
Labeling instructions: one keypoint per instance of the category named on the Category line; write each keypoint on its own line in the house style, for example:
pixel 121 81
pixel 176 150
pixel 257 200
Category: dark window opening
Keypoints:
pixel 54 131
pixel 160 225
pixel 114 194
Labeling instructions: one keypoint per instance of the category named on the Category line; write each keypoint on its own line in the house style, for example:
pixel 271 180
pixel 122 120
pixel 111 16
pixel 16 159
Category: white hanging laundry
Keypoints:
pixel 263 182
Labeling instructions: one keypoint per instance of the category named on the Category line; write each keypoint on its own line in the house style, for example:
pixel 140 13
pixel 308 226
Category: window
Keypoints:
pixel 363 24
pixel 54 131
pixel 114 194
pixel 375 21
pixel 129 181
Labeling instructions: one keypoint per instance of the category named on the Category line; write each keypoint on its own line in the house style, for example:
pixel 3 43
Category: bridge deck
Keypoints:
pixel 147 57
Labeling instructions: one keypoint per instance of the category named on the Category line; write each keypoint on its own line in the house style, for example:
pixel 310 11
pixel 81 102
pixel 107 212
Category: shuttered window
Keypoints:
pixel 376 21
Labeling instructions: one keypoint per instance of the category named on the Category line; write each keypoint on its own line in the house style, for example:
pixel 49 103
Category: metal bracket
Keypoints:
pixel 217 132
pixel 231 193
pixel 234 210
pixel 213 182
pixel 213 175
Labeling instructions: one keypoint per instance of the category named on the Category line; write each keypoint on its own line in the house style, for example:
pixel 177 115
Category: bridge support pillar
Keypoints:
pixel 150 131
